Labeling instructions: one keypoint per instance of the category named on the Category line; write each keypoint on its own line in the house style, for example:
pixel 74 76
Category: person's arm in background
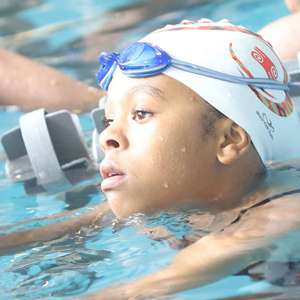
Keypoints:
pixel 284 33
pixel 31 85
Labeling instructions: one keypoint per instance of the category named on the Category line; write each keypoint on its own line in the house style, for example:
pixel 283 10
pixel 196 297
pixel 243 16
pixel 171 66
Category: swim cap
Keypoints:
pixel 268 116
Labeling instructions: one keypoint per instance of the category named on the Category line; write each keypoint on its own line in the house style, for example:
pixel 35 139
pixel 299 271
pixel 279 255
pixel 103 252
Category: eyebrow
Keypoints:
pixel 148 89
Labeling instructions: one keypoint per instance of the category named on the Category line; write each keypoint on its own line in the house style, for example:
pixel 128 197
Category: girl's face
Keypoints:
pixel 156 154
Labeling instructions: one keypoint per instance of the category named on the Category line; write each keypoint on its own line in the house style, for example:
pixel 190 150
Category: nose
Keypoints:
pixel 113 137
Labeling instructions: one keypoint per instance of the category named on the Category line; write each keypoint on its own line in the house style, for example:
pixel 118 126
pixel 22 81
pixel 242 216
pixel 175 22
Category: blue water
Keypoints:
pixel 68 35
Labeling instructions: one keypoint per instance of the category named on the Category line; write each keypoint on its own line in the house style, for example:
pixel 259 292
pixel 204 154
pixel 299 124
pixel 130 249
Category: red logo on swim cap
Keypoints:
pixel 283 108
pixel 265 62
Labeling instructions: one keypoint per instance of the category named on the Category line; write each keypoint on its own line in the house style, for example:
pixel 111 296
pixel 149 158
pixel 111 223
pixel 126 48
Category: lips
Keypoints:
pixel 112 176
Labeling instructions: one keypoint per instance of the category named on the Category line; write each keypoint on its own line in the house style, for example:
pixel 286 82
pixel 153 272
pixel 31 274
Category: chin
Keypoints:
pixel 123 209
pixel 119 207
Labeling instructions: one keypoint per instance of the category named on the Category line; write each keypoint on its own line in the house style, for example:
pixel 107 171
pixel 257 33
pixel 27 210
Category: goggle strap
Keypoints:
pixel 104 83
pixel 258 82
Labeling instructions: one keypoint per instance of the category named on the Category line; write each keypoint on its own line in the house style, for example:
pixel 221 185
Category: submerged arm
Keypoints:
pixel 206 261
pixel 31 85
pixel 49 232
pixel 217 255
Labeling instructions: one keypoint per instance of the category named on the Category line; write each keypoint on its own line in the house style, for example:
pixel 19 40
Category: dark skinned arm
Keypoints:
pixel 13 241
pixel 252 239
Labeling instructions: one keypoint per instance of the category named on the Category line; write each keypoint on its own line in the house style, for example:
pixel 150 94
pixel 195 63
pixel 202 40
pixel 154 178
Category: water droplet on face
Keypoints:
pixel 165 185
pixel 183 149
pixel 161 138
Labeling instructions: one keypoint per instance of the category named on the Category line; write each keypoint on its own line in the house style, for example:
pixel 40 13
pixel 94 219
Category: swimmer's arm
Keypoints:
pixel 13 241
pixel 205 261
pixel 217 255
pixel 31 85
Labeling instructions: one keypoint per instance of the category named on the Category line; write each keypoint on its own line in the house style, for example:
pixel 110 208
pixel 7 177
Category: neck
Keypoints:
pixel 238 184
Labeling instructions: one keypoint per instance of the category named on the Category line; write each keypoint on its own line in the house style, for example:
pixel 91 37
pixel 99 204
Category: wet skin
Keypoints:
pixel 159 157
pixel 155 144
pixel 150 138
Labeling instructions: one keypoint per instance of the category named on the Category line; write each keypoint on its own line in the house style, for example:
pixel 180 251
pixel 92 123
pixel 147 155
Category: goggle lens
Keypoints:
pixel 142 59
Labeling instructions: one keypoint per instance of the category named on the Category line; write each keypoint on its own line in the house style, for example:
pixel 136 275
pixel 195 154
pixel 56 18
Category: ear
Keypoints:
pixel 233 142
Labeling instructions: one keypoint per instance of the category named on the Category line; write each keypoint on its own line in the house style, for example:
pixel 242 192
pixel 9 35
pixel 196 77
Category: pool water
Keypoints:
pixel 68 35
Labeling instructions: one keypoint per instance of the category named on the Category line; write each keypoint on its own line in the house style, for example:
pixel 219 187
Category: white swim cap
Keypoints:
pixel 268 116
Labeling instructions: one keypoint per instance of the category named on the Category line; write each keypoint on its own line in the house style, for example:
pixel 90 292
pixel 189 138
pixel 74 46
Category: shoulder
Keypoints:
pixel 285 207
pixel 269 221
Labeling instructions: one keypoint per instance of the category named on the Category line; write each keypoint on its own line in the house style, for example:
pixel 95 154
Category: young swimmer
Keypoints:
pixel 198 135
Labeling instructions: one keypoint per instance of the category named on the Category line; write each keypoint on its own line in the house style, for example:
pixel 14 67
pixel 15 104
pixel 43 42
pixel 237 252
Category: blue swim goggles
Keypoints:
pixel 145 59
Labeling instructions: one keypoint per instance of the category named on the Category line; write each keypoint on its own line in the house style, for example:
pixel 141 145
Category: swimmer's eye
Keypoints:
pixel 106 122
pixel 141 115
